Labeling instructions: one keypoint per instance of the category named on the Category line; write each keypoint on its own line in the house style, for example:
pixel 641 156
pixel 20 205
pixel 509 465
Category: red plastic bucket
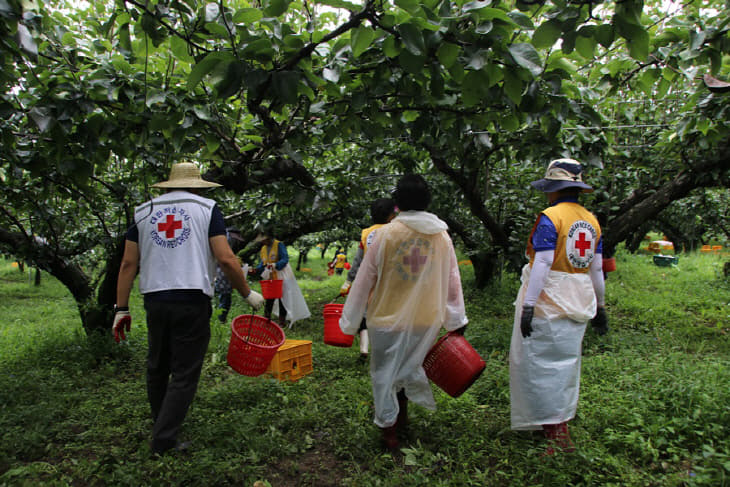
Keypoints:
pixel 254 342
pixel 272 289
pixel 332 333
pixel 609 265
pixel 453 364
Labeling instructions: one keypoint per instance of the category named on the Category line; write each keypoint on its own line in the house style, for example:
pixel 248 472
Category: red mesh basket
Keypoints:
pixel 453 364
pixel 254 342
pixel 272 289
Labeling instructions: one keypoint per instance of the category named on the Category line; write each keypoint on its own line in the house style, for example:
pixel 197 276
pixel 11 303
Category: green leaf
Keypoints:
pixel 494 14
pixel 512 86
pixel 408 5
pixel 206 65
pixel 274 8
pixel 360 40
pixel 526 56
pixel 447 54
pixel 411 62
pixel 547 34
pixel 284 86
pixel 340 4
pixel 391 48
pixel 474 88
pixel 180 49
pixel 413 39
pixel 636 36
pixel 521 19
pixel 586 46
pixel 248 16
pixel 604 34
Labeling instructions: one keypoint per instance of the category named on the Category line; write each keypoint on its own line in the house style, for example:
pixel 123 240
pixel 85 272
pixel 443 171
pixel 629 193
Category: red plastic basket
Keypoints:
pixel 609 265
pixel 272 289
pixel 453 364
pixel 254 342
pixel 332 333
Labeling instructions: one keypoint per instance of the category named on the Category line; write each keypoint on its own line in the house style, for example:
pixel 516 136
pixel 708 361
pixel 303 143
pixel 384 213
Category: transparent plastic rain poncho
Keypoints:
pixel 545 367
pixel 291 295
pixel 409 283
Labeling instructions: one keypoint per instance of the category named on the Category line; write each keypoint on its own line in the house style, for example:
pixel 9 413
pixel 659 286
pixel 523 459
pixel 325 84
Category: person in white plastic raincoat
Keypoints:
pixel 562 288
pixel 409 283
pixel 275 265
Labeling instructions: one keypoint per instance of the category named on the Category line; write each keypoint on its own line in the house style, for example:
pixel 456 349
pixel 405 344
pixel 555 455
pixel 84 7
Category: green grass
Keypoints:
pixel 653 408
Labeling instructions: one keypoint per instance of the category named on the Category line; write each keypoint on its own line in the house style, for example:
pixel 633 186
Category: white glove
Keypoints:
pixel 345 288
pixel 122 322
pixel 255 299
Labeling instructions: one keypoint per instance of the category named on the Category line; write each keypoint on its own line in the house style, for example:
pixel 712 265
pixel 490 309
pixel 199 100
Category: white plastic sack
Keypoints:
pixel 291 297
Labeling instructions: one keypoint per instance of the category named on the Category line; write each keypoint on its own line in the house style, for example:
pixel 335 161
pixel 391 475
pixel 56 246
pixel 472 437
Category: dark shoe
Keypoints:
pixel 179 447
pixel 363 358
pixel 390 439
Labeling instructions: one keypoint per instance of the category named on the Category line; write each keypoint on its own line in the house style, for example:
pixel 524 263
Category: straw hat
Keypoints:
pixel 185 175
pixel 561 174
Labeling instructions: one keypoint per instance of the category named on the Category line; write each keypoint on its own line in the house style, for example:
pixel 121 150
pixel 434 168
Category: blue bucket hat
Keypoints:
pixel 561 174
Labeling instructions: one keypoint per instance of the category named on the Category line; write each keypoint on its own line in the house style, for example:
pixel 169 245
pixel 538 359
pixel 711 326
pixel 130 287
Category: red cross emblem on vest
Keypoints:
pixel 582 244
pixel 415 260
pixel 169 226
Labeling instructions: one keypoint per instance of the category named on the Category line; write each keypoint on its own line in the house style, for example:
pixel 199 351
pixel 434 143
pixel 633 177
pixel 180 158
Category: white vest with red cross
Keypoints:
pixel 173 243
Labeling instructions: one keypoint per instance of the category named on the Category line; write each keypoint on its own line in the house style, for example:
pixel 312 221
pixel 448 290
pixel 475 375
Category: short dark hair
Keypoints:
pixel 412 193
pixel 381 209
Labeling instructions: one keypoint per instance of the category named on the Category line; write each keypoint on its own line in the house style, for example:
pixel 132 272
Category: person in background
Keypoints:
pixel 175 242
pixel 562 288
pixel 275 265
pixel 382 211
pixel 339 261
pixel 409 283
pixel 223 289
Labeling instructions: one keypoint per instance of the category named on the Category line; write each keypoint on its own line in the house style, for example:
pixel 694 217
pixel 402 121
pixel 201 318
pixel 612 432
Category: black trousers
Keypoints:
pixel 178 334
pixel 269 307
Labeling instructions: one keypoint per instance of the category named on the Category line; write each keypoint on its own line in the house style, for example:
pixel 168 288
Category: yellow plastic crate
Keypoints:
pixel 292 361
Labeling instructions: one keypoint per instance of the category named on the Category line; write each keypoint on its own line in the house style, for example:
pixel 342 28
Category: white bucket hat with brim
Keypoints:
pixel 185 175
pixel 562 174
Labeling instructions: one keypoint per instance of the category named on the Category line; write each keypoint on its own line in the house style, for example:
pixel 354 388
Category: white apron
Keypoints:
pixel 545 367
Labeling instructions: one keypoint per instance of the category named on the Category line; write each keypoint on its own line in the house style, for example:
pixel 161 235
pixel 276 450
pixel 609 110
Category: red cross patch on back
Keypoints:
pixel 580 246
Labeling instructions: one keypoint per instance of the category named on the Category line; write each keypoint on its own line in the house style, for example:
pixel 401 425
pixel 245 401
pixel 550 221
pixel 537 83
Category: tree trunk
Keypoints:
pixel 645 204
pixel 69 274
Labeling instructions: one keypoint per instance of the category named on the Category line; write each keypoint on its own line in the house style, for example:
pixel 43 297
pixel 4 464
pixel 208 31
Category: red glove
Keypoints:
pixel 122 321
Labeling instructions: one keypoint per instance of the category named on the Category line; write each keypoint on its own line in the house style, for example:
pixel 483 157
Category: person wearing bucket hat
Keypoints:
pixel 410 287
pixel 274 265
pixel 175 242
pixel 562 288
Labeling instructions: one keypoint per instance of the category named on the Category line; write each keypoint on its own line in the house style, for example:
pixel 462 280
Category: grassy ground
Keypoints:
pixel 653 407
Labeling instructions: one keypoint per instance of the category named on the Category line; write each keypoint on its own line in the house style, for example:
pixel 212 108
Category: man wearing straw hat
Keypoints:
pixel 562 288
pixel 175 242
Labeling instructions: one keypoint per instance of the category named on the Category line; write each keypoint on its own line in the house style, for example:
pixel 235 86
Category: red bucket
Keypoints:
pixel 332 333
pixel 254 342
pixel 453 364
pixel 272 289
pixel 609 265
